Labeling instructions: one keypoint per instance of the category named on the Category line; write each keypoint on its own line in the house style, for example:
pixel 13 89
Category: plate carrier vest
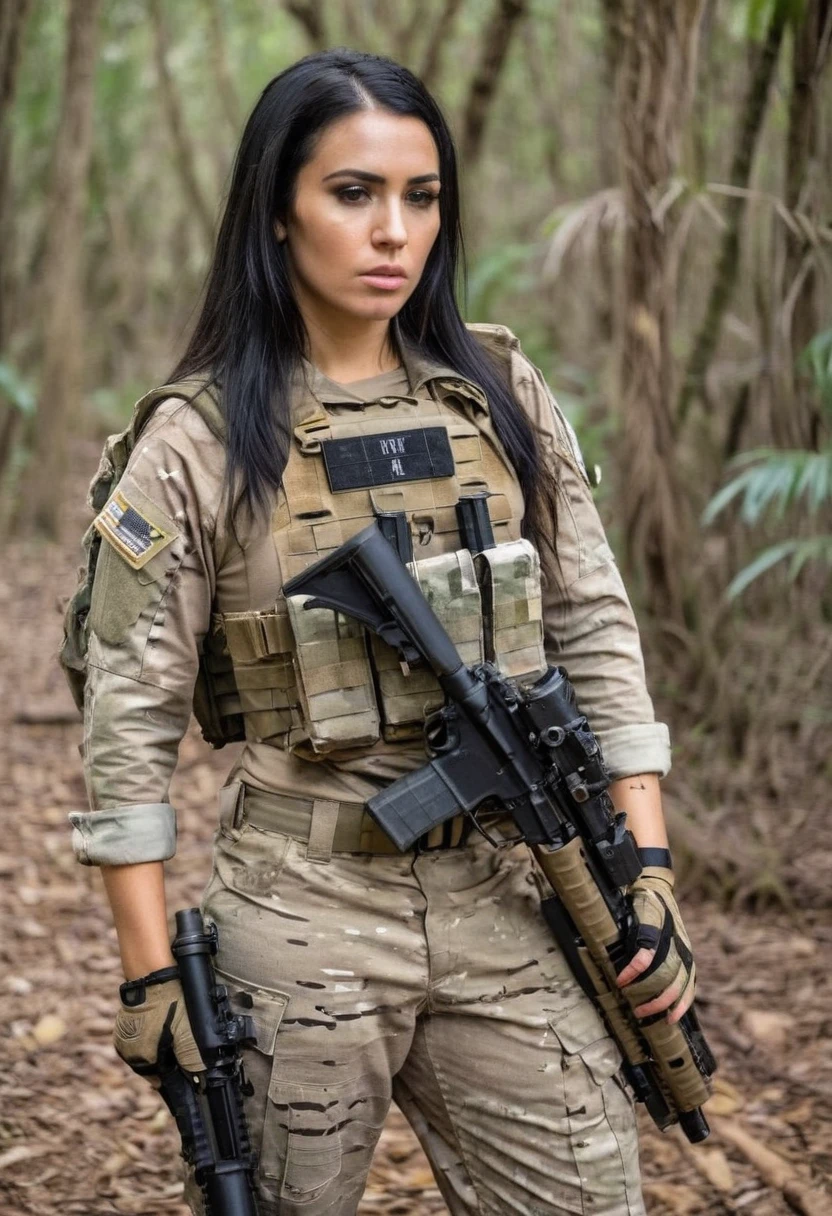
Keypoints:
pixel 314 681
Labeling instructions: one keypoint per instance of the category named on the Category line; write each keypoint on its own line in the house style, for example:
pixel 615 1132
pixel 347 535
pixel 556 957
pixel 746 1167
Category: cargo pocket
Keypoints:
pixel 599 1122
pixel 308 1105
pixel 589 1057
pixel 266 1007
pixel 293 1113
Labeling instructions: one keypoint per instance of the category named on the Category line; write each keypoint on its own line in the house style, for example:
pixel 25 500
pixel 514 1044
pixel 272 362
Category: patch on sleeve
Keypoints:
pixel 133 533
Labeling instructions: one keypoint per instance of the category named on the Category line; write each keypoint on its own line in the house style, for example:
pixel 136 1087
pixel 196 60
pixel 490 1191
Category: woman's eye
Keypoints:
pixel 357 194
pixel 423 198
pixel 352 194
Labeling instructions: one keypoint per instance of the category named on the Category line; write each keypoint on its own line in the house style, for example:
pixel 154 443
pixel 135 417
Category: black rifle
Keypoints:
pixel 529 753
pixel 208 1106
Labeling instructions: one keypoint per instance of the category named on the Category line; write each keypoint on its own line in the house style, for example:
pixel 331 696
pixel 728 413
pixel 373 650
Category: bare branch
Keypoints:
pixel 13 17
pixel 219 59
pixel 440 34
pixel 727 268
pixel 309 14
pixel 494 49
pixel 185 158
pixel 62 277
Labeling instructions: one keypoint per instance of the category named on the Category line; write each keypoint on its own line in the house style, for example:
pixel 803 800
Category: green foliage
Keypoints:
pixel 15 390
pixel 814 548
pixel 112 406
pixel 500 271
pixel 775 480
pixel 772 482
pixel 816 361
pixel 760 13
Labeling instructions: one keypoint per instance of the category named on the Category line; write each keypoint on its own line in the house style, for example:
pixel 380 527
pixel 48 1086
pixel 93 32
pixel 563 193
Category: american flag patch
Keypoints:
pixel 136 537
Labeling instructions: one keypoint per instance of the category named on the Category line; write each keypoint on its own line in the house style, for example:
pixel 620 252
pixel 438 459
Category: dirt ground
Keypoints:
pixel 80 1134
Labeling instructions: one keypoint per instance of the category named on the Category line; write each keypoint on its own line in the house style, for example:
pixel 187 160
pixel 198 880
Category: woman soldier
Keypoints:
pixel 331 378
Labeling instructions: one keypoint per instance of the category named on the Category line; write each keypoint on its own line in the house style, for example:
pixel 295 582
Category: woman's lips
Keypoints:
pixel 387 282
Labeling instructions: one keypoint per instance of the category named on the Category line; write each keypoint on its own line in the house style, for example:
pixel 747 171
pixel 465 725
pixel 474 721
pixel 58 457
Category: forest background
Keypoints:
pixel 648 191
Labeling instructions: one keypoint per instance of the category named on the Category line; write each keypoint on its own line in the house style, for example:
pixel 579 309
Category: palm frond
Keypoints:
pixel 762 562
pixel 578 229
pixel 775 479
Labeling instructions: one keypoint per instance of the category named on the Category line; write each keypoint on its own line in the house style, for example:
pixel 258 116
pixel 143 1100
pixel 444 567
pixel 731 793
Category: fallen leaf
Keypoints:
pixel 420 1178
pixel 715 1166
pixel 776 1171
pixel 772 1168
pixel 159 1121
pixel 49 1029
pixel 681 1200
pixel 22 1152
pixel 804 1112
pixel 115 1163
pixel 767 1027
pixel 806 1199
pixel 31 928
pixel 18 984
pixel 725 1100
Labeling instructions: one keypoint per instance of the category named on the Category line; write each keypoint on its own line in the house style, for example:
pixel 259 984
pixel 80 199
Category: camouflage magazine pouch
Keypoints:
pixel 509 577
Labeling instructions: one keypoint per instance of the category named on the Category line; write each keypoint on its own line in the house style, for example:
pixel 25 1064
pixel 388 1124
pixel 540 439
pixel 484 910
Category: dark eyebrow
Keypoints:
pixel 375 177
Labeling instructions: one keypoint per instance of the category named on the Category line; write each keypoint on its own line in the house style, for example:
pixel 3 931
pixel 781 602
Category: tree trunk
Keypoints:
pixel 494 49
pixel 13 17
pixel 184 154
pixel 656 41
pixel 219 59
pixel 405 33
pixel 61 282
pixel 354 17
pixel 309 14
pixel 440 33
pixel 728 262
pixel 550 119
pixel 804 191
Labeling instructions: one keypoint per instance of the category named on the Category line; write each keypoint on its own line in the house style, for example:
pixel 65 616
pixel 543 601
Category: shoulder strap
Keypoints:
pixel 498 340
pixel 195 392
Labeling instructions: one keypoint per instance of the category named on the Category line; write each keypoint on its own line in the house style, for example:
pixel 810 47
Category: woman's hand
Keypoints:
pixel 152 1031
pixel 662 971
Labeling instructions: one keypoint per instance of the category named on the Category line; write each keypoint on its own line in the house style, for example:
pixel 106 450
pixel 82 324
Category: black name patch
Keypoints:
pixel 379 460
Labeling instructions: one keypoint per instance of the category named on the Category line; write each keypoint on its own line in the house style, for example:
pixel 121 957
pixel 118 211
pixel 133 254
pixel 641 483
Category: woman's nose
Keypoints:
pixel 391 229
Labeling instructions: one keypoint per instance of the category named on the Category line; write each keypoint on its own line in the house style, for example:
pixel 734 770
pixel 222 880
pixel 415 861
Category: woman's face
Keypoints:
pixel 366 202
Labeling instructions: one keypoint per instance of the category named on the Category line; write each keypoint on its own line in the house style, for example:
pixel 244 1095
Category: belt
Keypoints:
pixel 331 826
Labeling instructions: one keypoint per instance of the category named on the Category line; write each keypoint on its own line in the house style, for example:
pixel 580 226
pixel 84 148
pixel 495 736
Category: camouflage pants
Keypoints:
pixel 431 979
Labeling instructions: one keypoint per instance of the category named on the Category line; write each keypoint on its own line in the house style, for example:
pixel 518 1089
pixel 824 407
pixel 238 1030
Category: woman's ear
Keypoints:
pixel 279 231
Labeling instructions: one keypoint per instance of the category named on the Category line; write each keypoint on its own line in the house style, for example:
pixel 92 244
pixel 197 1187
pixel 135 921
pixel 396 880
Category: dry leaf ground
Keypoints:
pixel 81 1136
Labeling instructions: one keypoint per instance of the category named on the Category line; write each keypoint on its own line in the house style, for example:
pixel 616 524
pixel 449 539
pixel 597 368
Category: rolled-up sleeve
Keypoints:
pixel 150 611
pixel 590 628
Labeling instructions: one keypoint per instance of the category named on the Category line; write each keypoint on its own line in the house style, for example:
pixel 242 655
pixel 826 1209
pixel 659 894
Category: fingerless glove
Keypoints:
pixel 661 929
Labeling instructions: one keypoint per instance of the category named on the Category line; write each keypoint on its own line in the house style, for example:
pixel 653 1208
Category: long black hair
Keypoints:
pixel 250 333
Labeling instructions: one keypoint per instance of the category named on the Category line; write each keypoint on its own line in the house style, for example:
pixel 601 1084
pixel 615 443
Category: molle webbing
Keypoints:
pixel 334 678
pixel 260 647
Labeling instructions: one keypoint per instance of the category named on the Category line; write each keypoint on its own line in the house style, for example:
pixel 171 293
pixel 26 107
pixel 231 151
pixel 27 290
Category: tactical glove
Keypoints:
pixel 660 929
pixel 152 1031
